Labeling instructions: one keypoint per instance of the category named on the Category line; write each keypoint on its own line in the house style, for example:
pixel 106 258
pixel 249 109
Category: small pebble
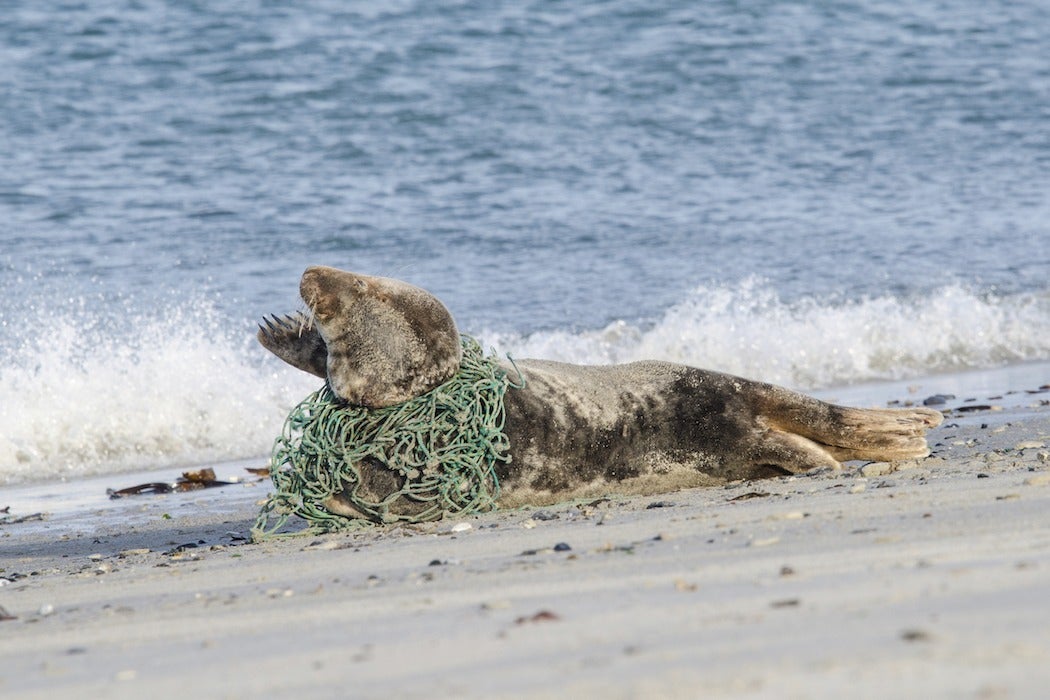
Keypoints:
pixel 562 547
pixel 877 469
pixel 790 515
pixel 280 592
pixel 858 488
pixel 938 399
pixel 914 635
pixel 461 527
pixel 764 542
pixel 46 609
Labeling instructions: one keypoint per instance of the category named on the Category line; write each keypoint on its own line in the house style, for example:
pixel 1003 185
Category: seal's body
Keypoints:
pixel 643 427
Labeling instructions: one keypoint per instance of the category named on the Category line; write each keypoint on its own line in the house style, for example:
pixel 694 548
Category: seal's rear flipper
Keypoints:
pixel 882 434
pixel 295 340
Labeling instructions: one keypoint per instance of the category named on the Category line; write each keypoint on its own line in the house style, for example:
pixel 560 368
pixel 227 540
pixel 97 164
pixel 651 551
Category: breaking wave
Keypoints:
pixel 814 344
pixel 81 397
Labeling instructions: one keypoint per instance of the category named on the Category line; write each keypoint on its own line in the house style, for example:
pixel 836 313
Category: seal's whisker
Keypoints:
pixel 305 320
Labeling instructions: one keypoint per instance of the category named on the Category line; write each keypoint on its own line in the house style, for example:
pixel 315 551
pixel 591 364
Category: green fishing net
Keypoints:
pixel 341 467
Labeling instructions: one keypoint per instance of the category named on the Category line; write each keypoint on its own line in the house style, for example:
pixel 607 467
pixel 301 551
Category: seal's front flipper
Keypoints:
pixel 776 451
pixel 295 340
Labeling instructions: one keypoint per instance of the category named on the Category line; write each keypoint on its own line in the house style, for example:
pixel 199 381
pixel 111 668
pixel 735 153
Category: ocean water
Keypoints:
pixel 817 194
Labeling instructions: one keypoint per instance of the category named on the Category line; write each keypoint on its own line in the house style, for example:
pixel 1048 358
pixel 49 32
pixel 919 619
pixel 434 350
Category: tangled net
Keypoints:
pixel 427 457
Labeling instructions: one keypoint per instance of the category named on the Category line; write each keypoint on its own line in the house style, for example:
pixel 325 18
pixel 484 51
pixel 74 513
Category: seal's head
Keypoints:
pixel 382 341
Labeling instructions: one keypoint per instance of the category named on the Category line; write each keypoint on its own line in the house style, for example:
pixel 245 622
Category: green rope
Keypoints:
pixel 428 457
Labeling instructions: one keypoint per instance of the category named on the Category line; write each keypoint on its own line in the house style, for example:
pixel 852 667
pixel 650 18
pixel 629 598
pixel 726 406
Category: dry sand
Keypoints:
pixel 931 580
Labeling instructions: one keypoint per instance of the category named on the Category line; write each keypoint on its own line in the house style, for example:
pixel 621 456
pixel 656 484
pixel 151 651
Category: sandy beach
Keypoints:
pixel 920 579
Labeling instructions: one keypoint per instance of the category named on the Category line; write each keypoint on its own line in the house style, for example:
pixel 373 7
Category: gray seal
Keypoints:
pixel 577 431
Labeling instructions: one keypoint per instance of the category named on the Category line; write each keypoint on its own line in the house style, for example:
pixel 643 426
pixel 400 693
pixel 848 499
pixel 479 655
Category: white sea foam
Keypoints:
pixel 748 330
pixel 82 396
pixel 181 387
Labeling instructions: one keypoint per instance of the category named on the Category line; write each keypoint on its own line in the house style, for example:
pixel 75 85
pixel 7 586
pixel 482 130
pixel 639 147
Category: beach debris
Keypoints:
pixel 785 603
pixel 124 554
pixel 14 520
pixel 182 551
pixel 5 616
pixel 461 527
pixel 189 481
pixel 534 552
pixel 858 488
pixel 786 570
pixel 660 504
pixel 684 586
pixel 541 616
pixel 545 515
pixel 977 407
pixel 937 399
pixel 748 496
pixel 1030 445
pixel 529 524
pixel 46 609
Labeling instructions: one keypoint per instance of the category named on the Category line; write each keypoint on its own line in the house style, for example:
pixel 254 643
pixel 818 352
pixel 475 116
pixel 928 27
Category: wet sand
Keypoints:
pixel 921 579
